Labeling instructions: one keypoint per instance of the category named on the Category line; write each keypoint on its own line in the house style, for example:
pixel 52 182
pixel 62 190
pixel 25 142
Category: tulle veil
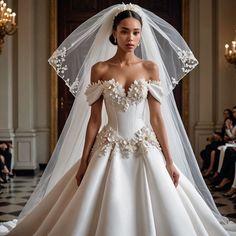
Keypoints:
pixel 73 59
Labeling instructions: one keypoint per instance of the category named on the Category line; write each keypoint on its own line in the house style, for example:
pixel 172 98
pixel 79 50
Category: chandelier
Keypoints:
pixel 230 54
pixel 7 22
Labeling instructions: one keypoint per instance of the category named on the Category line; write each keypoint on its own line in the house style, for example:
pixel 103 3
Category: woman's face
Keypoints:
pixel 128 34
pixel 226 113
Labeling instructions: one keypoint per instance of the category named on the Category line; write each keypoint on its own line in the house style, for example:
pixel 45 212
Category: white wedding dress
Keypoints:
pixel 126 190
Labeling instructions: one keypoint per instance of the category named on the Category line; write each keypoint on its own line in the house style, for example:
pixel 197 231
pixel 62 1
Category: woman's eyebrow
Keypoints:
pixel 125 28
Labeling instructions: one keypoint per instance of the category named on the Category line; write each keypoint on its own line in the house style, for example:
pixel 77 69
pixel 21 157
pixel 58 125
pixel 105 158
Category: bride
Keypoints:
pixel 124 68
pixel 137 175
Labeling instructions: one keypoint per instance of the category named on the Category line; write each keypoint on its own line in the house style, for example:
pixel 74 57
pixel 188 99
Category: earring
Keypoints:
pixel 139 44
pixel 115 39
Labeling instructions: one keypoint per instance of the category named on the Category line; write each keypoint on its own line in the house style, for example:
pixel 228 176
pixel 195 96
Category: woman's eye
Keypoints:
pixel 136 33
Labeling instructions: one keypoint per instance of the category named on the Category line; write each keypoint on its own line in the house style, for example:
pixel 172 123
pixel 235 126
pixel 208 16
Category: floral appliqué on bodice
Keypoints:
pixel 142 139
pixel 137 92
pixel 112 88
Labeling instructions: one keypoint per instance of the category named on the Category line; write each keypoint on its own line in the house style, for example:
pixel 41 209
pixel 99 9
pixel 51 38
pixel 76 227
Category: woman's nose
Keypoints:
pixel 130 37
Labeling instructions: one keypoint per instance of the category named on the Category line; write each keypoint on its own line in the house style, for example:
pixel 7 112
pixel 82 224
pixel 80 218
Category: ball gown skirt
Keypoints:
pixel 126 190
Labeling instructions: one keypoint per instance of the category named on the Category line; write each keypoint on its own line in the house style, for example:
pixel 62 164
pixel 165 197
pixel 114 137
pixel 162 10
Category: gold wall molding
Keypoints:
pixel 185 83
pixel 53 77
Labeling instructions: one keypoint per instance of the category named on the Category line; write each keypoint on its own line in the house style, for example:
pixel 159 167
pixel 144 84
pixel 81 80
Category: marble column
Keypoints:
pixel 205 83
pixel 6 90
pixel 25 134
pixel 31 142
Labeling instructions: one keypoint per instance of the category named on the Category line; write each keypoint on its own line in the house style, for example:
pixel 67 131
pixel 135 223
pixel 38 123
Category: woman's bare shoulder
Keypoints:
pixel 150 65
pixel 151 69
pixel 98 70
pixel 100 66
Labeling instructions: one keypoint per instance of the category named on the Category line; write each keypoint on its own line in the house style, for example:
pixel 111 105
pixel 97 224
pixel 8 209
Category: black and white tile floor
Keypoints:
pixel 226 206
pixel 15 193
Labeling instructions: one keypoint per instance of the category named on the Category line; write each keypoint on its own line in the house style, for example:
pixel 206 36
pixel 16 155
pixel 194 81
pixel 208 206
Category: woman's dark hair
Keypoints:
pixel 121 16
pixel 230 113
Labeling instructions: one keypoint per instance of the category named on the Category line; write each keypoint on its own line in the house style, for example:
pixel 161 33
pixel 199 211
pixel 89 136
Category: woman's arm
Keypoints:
pixel 158 126
pixel 93 126
pixel 230 129
pixel 229 133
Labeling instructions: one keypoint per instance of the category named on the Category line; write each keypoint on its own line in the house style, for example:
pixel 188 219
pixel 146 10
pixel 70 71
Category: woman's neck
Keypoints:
pixel 125 58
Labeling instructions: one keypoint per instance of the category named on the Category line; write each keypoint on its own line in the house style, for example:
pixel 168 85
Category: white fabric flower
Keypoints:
pixel 109 138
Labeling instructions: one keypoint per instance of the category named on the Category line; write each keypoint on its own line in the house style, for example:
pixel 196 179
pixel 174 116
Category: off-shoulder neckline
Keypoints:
pixel 113 80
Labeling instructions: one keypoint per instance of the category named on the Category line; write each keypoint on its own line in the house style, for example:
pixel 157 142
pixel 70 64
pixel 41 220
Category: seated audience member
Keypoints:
pixel 231 133
pixel 227 172
pixel 3 170
pixel 230 125
pixel 6 153
pixel 210 154
pixel 232 192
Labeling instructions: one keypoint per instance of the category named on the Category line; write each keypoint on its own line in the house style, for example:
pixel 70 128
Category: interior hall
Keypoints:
pixel 35 103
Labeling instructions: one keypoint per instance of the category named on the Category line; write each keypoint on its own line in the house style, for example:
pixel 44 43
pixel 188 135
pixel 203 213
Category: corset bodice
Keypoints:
pixel 125 110
pixel 125 123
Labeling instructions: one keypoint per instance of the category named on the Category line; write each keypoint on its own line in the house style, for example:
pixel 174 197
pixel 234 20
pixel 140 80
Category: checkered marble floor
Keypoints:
pixel 226 206
pixel 15 193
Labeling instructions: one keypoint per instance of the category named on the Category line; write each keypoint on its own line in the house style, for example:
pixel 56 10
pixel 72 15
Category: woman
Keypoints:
pixel 210 154
pixel 128 67
pixel 230 126
pixel 231 131
pixel 227 172
pixel 128 182
pixel 226 168
pixel 6 158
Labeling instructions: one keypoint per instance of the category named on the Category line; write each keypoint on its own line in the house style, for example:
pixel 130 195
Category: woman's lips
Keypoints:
pixel 129 45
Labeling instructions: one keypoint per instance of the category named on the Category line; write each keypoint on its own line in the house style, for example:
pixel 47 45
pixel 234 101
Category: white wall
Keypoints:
pixel 6 89
pixel 213 83
pixel 24 84
pixel 225 72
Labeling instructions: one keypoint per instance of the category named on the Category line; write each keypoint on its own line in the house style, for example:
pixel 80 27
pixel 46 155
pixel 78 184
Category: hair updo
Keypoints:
pixel 121 16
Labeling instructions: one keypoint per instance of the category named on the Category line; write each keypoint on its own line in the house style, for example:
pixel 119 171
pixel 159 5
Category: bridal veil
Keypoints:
pixel 73 59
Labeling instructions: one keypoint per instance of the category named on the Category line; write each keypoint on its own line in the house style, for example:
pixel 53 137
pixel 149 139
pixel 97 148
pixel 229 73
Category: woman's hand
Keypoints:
pixel 229 124
pixel 81 171
pixel 174 174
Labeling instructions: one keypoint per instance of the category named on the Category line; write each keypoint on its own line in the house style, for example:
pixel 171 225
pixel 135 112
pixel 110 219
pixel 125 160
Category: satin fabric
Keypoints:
pixel 122 193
